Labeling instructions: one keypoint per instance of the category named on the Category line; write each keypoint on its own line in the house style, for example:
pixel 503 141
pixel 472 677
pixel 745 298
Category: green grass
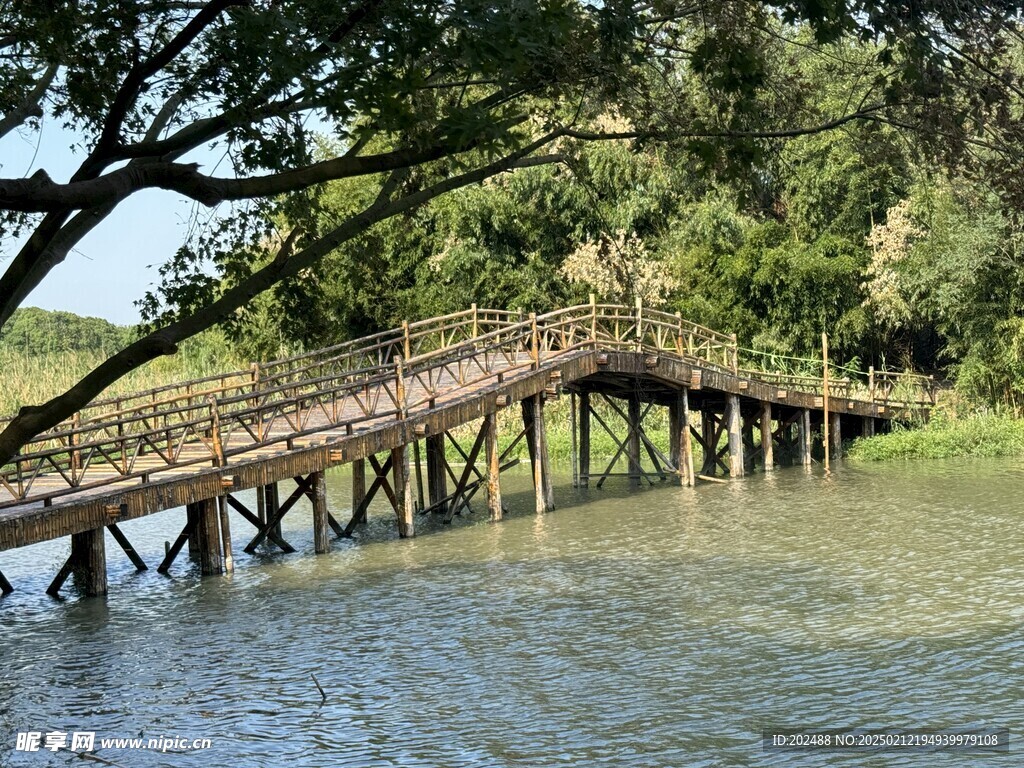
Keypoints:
pixel 976 436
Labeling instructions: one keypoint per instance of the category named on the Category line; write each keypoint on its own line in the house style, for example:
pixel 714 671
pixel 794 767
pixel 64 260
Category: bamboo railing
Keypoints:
pixel 213 420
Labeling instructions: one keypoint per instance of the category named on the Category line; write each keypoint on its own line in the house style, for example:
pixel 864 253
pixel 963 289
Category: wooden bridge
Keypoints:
pixel 370 402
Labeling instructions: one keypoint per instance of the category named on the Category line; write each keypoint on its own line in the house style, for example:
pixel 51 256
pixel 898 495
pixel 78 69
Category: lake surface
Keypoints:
pixel 665 627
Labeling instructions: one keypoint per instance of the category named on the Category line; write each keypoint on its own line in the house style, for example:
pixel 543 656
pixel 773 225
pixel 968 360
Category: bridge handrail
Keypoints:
pixel 467 344
pixel 259 375
pixel 709 342
pixel 386 378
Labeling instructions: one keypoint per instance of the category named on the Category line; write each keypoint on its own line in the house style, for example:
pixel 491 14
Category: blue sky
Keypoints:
pixel 110 269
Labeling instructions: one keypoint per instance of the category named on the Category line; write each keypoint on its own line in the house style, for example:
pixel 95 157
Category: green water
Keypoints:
pixel 661 627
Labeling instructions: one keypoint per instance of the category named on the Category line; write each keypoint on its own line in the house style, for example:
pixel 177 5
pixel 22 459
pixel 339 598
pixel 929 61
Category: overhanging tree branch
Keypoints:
pixel 30 107
pixel 40 193
pixel 32 420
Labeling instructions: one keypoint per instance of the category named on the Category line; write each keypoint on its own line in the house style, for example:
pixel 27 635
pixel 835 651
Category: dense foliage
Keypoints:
pixel 707 207
pixel 33 331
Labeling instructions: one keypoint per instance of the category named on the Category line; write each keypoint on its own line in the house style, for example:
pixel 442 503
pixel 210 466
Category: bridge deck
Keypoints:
pixel 185 443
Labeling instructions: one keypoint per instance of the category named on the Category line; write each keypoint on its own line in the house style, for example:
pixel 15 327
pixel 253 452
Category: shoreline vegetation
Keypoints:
pixel 945 437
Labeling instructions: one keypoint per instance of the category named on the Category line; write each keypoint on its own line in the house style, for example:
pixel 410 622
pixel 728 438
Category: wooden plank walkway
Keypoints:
pixel 123 458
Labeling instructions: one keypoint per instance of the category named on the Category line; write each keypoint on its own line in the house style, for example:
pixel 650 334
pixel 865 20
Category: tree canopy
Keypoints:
pixel 420 99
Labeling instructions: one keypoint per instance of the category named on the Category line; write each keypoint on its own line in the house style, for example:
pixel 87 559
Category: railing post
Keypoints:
pixel 593 319
pixel 407 342
pixel 76 455
pixel 734 355
pixel 476 321
pixel 871 383
pixel 534 341
pixel 218 446
pixel 639 324
pixel 679 333
pixel 400 388
pixel 255 400
pixel 824 397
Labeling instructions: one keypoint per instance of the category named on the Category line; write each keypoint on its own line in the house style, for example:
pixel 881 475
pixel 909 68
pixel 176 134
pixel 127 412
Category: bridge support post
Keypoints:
pixel 675 440
pixel 680 444
pixel 804 437
pixel 867 426
pixel 493 467
pixel 709 433
pixel 318 495
pixel 835 435
pixel 767 439
pixel 404 506
pixel 748 443
pixel 735 430
pixel 437 479
pixel 225 534
pixel 192 524
pixel 208 537
pixel 633 444
pixel 536 441
pixel 358 483
pixel 685 429
pixel 89 562
pixel 545 457
pixel 584 476
pixel 273 504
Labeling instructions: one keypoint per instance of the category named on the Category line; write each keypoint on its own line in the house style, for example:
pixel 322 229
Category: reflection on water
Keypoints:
pixel 663 627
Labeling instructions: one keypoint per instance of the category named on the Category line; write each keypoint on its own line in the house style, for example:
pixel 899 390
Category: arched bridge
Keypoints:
pixel 370 402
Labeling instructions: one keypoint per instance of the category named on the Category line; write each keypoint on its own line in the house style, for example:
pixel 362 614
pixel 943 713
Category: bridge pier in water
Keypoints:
pixel 736 435
pixel 535 430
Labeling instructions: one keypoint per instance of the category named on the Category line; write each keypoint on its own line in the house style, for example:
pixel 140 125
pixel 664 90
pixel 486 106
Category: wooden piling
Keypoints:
pixel 437 476
pixel 273 504
pixel 261 504
pixel 675 442
pixel 545 456
pixel 225 534
pixel 192 523
pixel 211 560
pixel 836 435
pixel 584 480
pixel 767 443
pixel 748 443
pixel 321 528
pixel 419 466
pixel 633 444
pixel 358 483
pixel 707 433
pixel 735 430
pixel 493 467
pixel 533 423
pixel 690 477
pixel 804 437
pixel 680 445
pixel 403 491
pixel 824 398
pixel 867 426
pixel 89 562
pixel 574 446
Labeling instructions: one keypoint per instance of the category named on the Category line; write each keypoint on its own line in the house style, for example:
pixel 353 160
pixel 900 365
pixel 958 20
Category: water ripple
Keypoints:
pixel 659 628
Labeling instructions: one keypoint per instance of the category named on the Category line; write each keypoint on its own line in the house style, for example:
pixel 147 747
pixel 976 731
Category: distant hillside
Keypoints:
pixel 35 331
